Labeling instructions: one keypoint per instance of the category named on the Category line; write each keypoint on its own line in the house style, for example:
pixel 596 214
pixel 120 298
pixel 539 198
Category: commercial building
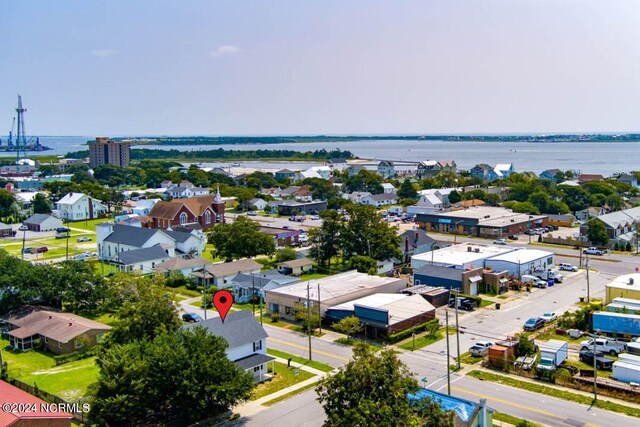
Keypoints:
pixel 384 314
pixel 461 256
pixel 465 281
pixel 328 292
pixel 482 221
pixel 624 286
pixel 104 151
pixel 522 261
pixel 437 296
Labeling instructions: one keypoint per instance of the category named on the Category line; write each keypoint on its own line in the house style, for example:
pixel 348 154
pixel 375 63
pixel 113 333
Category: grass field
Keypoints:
pixel 283 378
pixel 290 394
pixel 69 381
pixel 300 360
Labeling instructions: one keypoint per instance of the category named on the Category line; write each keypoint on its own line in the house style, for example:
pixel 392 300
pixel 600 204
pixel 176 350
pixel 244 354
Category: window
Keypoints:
pixel 207 217
pixel 183 218
pixel 257 345
pixel 59 345
pixel 46 340
pixel 287 310
pixel 257 368
pixel 77 343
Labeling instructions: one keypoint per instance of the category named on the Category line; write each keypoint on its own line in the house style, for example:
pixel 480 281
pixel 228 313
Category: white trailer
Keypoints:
pixel 627 368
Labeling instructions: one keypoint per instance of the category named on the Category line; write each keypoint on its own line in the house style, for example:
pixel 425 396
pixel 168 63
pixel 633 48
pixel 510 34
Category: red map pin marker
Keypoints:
pixel 223 300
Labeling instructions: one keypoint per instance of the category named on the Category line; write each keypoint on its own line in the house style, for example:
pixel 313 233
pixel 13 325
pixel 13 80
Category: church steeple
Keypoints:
pixel 218 198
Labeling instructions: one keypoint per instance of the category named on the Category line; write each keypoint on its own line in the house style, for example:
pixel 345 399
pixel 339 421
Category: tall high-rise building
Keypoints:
pixel 104 151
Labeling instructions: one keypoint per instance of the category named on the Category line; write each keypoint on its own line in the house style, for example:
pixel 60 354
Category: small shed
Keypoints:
pixel 295 267
pixel 6 230
pixel 501 354
pixel 43 222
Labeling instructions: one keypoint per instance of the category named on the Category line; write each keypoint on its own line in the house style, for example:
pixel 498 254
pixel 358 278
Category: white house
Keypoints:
pixel 142 260
pixel 221 275
pixel 185 191
pixel 388 188
pixel 113 239
pixel 378 200
pixel 143 206
pixel 502 170
pixel 430 200
pixel 78 207
pixel 246 338
pixel 258 203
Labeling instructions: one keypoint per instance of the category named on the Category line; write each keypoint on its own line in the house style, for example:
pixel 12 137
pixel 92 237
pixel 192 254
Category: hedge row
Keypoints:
pixel 72 357
pixel 399 336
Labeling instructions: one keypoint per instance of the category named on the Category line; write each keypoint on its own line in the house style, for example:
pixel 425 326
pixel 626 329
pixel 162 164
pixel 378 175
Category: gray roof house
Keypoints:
pixel 246 338
pixel 415 242
pixel 221 274
pixel 245 285
pixel 43 222
pixel 142 260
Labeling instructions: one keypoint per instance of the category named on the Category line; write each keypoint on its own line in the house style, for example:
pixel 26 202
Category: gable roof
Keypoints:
pixel 4 226
pixel 58 326
pixel 383 197
pixel 142 255
pixel 228 268
pixel 300 262
pixel 25 400
pixel 197 205
pixel 180 263
pixel 71 198
pixel 38 218
pixel 178 236
pixel 166 210
pixel 239 328
pixel 258 281
pixel 416 238
pixel 131 236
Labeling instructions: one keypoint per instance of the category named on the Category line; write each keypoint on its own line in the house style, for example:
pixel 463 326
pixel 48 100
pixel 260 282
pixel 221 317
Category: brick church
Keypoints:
pixel 202 212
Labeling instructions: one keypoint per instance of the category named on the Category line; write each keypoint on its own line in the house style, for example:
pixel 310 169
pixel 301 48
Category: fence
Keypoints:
pixel 50 398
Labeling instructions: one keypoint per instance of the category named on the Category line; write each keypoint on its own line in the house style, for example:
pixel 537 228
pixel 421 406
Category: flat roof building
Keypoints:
pixel 484 221
pixel 104 151
pixel 329 291
pixel 522 261
pixel 461 256
pixel 624 286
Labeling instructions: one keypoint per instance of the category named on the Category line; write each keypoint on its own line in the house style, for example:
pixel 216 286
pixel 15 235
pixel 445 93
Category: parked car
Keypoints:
pixel 533 324
pixel 602 362
pixel 500 242
pixel 593 251
pixel 315 217
pixel 80 257
pixel 191 317
pixel 481 348
pixel 23 228
pixel 252 213
pixel 27 250
pixel 530 232
pixel 83 239
pixel 463 303
pixel 565 266
pixel 303 238
pixel 513 237
pixel 62 230
pixel 42 249
pixel 539 283
pixel 549 317
pixel 604 345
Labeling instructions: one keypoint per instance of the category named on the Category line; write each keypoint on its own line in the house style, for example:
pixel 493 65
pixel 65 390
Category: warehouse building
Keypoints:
pixel 465 281
pixel 625 286
pixel 462 256
pixel 384 314
pixel 482 221
pixel 328 291
pixel 522 261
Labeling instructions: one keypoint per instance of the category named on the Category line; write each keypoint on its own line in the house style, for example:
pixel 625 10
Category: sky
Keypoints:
pixel 286 67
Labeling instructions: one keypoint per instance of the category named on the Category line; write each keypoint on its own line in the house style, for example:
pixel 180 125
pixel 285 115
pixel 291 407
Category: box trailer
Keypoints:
pixel 552 354
pixel 627 369
pixel 616 323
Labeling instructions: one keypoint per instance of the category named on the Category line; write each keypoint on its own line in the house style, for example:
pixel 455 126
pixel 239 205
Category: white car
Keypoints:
pixel 549 317
pixel 315 217
pixel 252 213
pixel 23 228
pixel 567 267
pixel 500 242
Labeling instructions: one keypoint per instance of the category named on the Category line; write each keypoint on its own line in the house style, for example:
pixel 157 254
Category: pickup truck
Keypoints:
pixel 603 345
pixel 603 363
pixel 550 275
pixel 463 303
pixel 593 251
pixel 480 348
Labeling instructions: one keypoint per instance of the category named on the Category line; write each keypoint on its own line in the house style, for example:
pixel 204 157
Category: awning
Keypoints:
pixel 504 280
pixel 252 361
pixel 475 279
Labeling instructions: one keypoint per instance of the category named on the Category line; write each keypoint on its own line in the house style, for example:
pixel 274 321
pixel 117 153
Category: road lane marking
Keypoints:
pixel 306 348
pixel 517 405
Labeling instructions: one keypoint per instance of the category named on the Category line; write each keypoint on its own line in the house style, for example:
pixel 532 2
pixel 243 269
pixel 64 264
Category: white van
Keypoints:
pixel 527 278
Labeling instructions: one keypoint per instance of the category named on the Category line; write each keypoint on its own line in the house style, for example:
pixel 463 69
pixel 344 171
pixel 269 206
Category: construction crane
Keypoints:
pixel 13 125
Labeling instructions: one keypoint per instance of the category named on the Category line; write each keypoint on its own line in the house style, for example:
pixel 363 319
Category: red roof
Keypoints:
pixel 13 395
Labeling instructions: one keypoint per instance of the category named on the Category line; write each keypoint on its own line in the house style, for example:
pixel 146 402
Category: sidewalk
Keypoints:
pixel 255 406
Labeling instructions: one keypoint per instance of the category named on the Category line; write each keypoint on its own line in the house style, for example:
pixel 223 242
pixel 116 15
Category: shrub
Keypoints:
pixel 285 254
pixel 275 317
pixel 393 338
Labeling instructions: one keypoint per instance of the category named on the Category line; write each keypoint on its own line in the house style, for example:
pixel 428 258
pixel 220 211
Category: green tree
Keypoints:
pixel 575 197
pixel 306 316
pixel 348 326
pixel 365 234
pixel 597 232
pixel 147 312
pixel 326 238
pixel 285 254
pixel 241 239
pixel 364 181
pixel 407 190
pixel 363 264
pixel 371 390
pixel 454 197
pixel 615 202
pixel 430 414
pixel 180 377
pixel 525 346
pixel 321 189
pixel 7 202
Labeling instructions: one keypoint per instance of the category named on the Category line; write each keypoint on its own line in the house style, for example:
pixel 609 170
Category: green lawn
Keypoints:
pixel 425 340
pixel 554 392
pixel 485 303
pixel 283 378
pixel 312 276
pixel 69 381
pixel 88 225
pixel 300 360
pixel 352 341
pixel 290 394
pixel 469 359
pixel 510 419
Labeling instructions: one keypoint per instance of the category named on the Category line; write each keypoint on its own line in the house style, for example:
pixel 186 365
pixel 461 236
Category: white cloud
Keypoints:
pixel 104 53
pixel 224 50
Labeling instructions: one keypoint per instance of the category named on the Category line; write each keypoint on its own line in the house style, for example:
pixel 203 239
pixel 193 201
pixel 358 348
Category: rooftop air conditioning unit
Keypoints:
pixel 477 250
pixel 630 281
pixel 469 249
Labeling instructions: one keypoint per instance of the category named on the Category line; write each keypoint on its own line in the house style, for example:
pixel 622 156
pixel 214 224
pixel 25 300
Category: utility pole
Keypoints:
pixel 24 238
pixel 67 250
pixel 204 291
pixel 253 293
pixel 319 319
pixel 309 318
pixel 457 333
pixel 595 369
pixel 588 292
pixel 446 314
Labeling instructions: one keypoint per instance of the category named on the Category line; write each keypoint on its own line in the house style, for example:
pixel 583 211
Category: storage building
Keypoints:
pixel 328 292
pixel 522 261
pixel 465 281
pixel 462 256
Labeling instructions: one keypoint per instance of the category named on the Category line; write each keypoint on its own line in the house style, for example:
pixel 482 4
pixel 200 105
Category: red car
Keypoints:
pixel 42 249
